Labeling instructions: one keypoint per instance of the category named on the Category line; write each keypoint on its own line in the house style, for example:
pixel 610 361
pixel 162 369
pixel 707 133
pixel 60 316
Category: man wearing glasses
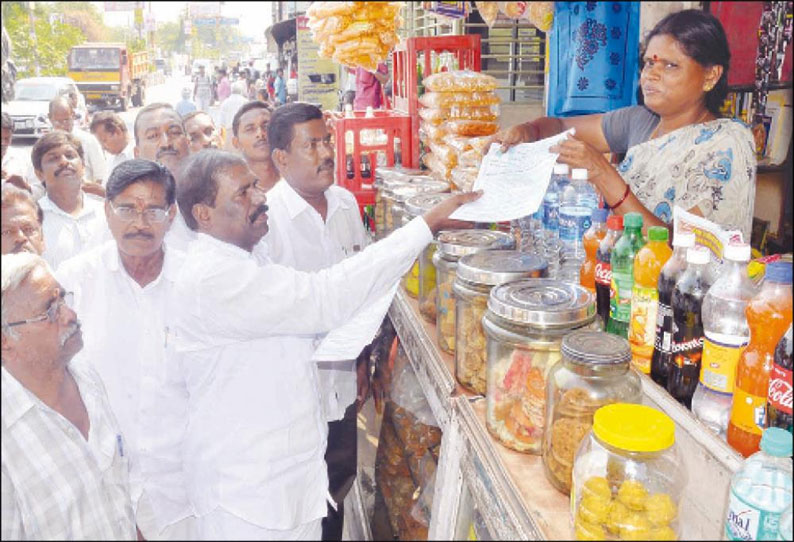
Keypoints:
pixel 120 290
pixel 57 483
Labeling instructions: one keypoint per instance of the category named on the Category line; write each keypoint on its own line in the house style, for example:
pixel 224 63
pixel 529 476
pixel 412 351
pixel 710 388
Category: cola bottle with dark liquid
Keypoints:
pixel 687 299
pixel 778 406
pixel 663 342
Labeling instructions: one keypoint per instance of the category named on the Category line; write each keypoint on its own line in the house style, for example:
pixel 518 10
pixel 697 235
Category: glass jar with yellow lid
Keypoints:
pixel 452 246
pixel 628 476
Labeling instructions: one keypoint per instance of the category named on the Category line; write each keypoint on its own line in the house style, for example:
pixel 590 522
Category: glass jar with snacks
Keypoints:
pixel 422 277
pixel 594 371
pixel 453 245
pixel 476 275
pixel 387 199
pixel 524 326
pixel 401 194
pixel 628 476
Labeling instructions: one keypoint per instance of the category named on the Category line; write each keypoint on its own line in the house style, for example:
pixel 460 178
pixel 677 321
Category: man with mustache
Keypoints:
pixel 57 483
pixel 131 276
pixel 229 108
pixel 62 118
pixel 249 127
pixel 241 339
pixel 20 221
pixel 73 220
pixel 160 137
pixel 313 225
pixel 201 131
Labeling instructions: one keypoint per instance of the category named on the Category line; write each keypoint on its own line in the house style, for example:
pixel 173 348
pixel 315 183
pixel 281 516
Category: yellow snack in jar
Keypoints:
pixel 660 509
pixel 597 486
pixel 594 509
pixel 663 533
pixel 585 530
pixel 635 527
pixel 633 494
pixel 617 515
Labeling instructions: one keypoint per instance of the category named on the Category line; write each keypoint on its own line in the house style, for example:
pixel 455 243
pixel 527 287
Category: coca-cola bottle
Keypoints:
pixel 778 406
pixel 688 294
pixel 603 268
pixel 663 342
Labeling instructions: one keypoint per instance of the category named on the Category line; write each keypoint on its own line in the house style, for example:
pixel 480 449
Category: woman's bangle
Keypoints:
pixel 625 195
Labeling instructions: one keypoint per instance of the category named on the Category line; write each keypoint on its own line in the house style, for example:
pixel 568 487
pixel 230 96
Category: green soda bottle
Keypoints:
pixel 623 274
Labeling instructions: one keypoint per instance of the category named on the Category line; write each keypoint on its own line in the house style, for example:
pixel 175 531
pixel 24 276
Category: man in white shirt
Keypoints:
pixel 64 470
pixel 160 137
pixel 111 132
pixel 313 225
pixel 249 127
pixel 73 220
pixel 20 220
pixel 201 132
pixel 229 108
pixel 241 335
pixel 14 170
pixel 131 276
pixel 62 118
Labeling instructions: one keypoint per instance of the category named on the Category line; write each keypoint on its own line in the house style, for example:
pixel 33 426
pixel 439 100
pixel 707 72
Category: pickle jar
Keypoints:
pixel 453 245
pixel 594 371
pixel 524 327
pixel 628 476
pixel 422 277
pixel 475 277
pixel 401 194
pixel 387 199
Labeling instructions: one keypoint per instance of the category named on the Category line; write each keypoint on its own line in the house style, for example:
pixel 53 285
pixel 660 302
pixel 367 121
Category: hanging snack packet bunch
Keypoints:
pixel 460 112
pixel 355 33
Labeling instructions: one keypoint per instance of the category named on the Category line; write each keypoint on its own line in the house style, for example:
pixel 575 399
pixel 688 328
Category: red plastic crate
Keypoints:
pixel 419 51
pixel 394 124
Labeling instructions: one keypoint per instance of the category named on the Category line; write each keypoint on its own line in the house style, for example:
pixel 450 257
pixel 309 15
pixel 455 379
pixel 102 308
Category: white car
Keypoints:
pixel 29 110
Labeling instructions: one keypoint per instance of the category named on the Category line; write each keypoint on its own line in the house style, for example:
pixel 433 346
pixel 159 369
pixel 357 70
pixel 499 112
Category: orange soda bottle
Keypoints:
pixel 591 240
pixel 648 263
pixel 769 315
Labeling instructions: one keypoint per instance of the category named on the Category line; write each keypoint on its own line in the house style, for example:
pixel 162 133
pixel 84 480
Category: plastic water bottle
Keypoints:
pixel 551 201
pixel 785 530
pixel 578 200
pixel 761 490
pixel 580 191
pixel 727 334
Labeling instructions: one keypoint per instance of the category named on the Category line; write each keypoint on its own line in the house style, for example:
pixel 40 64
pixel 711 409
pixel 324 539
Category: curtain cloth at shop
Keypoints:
pixel 593 57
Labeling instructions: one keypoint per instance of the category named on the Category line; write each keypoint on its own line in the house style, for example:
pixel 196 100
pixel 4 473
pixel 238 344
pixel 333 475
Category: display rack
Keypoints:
pixel 482 485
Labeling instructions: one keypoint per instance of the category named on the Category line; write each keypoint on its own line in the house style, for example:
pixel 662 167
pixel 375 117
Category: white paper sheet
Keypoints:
pixel 513 183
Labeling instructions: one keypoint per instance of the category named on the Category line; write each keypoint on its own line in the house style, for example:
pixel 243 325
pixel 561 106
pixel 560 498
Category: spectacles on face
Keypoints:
pixel 27 231
pixel 53 311
pixel 152 215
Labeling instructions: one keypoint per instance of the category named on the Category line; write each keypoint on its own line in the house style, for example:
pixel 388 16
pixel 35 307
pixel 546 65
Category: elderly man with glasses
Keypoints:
pixel 57 483
pixel 120 290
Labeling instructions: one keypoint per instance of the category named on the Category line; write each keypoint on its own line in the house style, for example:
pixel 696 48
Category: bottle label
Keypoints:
pixel 551 215
pixel 573 222
pixel 780 389
pixel 663 340
pixel 603 273
pixel 642 329
pixel 748 412
pixel 620 296
pixel 720 358
pixel 746 522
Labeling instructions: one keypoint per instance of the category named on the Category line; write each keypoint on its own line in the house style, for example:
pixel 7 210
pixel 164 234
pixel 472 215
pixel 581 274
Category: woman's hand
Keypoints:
pixel 578 154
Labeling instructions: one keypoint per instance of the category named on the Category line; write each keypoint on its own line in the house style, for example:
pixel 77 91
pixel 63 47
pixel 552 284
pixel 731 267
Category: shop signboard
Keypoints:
pixel 318 78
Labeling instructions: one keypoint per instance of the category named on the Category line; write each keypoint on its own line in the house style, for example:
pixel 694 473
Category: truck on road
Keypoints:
pixel 108 75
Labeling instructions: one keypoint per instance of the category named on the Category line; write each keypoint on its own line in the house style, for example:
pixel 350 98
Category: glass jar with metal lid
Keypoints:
pixel 475 277
pixel 453 245
pixel 628 476
pixel 402 194
pixel 421 279
pixel 388 177
pixel 524 326
pixel 594 371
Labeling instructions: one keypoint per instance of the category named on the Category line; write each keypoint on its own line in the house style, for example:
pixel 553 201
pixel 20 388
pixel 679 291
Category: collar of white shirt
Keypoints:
pixel 91 204
pixel 208 242
pixel 112 262
pixel 295 204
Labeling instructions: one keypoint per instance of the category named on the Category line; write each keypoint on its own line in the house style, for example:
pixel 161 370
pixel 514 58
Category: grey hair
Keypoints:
pixel 15 269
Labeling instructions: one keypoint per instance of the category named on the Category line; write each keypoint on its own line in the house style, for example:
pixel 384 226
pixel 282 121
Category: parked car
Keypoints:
pixel 29 110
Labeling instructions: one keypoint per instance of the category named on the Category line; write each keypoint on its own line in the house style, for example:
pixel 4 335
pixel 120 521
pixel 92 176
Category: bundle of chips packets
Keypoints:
pixel 357 34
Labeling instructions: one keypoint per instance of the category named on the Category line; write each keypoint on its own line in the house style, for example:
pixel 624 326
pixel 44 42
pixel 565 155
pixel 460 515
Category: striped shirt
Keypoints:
pixel 56 484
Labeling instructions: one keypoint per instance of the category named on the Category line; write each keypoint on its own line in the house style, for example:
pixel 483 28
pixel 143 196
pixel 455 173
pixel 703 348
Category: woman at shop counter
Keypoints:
pixel 678 150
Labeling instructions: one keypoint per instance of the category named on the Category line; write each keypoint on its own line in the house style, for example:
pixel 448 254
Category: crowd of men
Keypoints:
pixel 161 312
